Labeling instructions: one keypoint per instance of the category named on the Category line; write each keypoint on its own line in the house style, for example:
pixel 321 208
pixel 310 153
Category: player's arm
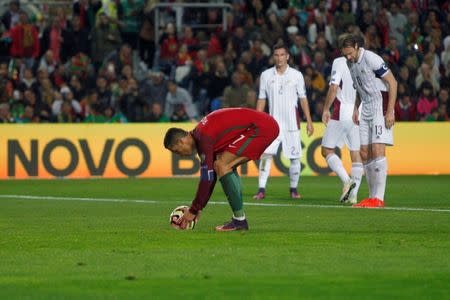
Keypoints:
pixel 356 109
pixel 381 70
pixel 207 176
pixel 390 112
pixel 331 95
pixel 205 186
pixel 261 105
pixel 261 102
pixel 305 108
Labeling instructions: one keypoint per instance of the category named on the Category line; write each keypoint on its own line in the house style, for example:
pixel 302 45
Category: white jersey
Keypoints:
pixel 282 93
pixel 344 103
pixel 364 74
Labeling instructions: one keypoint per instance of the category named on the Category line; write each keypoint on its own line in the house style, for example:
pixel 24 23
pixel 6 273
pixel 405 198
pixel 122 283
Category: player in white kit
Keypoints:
pixel 282 87
pixel 341 129
pixel 377 116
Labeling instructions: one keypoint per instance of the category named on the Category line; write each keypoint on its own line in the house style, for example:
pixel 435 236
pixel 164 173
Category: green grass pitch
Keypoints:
pixel 83 245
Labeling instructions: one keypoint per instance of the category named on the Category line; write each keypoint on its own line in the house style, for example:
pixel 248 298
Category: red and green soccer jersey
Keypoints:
pixel 241 131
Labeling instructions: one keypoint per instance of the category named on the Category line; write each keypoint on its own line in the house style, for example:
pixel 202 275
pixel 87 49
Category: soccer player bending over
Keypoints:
pixel 377 116
pixel 341 129
pixel 224 139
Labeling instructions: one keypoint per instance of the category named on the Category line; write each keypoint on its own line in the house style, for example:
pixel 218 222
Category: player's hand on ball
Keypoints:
pixel 186 218
pixel 389 119
pixel 326 117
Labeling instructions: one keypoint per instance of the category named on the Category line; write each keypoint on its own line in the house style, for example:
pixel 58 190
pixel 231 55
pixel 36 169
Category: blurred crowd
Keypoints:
pixel 98 60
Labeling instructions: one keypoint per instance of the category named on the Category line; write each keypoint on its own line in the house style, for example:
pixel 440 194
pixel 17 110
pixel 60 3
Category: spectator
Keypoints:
pixel 235 95
pixel 130 103
pixel 146 41
pixel 168 46
pixel 114 11
pixel 405 109
pixel 52 39
pixel 105 39
pixel 132 18
pixel 426 74
pixel 154 89
pixel 126 56
pixel 111 116
pixel 344 16
pixel 246 76
pixel 321 65
pixel 25 41
pixel 104 93
pixel 6 85
pixel 427 101
pixel 178 96
pixel 391 54
pixel 219 80
pixel 443 98
pixel 442 113
pixel 5 114
pixel 66 96
pixel 11 17
pixel 75 40
pixel 87 10
pixel 405 78
pixel 28 81
pixel 190 41
pixel 39 107
pixel 27 115
pixel 397 23
pixel 179 114
pixel 300 51
pixel 48 62
pixel 157 114
pixel 77 87
pixel 66 114
pixel 272 30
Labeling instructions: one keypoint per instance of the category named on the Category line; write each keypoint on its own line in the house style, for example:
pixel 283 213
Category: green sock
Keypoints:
pixel 231 185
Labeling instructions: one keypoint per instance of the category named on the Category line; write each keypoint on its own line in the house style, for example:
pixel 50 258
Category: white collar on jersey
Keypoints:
pixel 361 53
pixel 276 73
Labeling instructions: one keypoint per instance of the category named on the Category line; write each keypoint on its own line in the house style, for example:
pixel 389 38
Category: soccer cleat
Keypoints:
pixel 370 203
pixel 295 194
pixel 233 225
pixel 347 190
pixel 261 194
pixel 352 199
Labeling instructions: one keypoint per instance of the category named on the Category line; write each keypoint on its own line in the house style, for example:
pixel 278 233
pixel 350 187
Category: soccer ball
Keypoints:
pixel 177 213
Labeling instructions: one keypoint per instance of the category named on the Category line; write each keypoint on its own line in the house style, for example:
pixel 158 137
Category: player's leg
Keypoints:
pixel 332 138
pixel 354 145
pixel 356 174
pixel 381 137
pixel 225 167
pixel 335 164
pixel 365 135
pixel 292 149
pixel 379 170
pixel 265 164
pixel 243 149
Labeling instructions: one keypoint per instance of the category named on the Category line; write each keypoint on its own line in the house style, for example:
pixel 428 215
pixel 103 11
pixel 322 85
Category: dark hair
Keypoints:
pixel 280 45
pixel 173 135
pixel 350 40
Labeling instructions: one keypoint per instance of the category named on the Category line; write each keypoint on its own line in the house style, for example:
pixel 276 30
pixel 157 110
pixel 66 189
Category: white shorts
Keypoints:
pixel 375 132
pixel 291 144
pixel 339 133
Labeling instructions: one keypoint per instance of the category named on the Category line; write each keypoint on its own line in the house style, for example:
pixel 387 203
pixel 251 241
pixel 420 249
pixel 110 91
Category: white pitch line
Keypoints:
pixel 119 200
